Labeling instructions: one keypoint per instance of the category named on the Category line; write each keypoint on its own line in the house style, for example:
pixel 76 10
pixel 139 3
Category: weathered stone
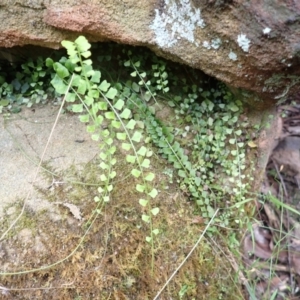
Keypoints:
pixel 253 45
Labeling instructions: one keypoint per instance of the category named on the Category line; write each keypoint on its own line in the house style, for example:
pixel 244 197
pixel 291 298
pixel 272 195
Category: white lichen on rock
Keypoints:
pixel 216 43
pixel 206 45
pixel 266 30
pixel 232 55
pixel 176 22
pixel 243 42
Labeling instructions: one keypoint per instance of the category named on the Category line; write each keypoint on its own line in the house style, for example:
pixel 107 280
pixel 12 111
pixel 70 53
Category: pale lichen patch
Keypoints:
pixel 243 42
pixel 206 45
pixel 232 55
pixel 176 22
pixel 266 30
pixel 216 43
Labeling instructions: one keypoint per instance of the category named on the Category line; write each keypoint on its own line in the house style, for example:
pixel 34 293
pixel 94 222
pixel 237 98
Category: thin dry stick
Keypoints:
pixel 40 163
pixel 64 286
pixel 287 213
pixel 232 262
pixel 190 253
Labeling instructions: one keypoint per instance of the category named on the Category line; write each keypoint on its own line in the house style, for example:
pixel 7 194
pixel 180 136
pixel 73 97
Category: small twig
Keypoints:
pixel 63 286
pixel 287 215
pixel 190 253
pixel 281 179
pixel 233 263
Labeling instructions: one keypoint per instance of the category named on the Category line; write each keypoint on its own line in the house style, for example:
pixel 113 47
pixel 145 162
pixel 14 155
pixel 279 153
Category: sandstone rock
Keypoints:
pixel 252 45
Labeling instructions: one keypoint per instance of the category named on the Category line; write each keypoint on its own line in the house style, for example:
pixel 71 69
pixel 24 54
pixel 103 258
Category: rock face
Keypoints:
pixel 253 45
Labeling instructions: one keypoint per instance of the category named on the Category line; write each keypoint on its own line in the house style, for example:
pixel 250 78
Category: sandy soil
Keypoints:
pixel 23 138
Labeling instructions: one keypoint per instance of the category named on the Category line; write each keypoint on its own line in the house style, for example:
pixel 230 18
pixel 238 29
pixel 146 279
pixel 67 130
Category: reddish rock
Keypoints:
pixel 250 45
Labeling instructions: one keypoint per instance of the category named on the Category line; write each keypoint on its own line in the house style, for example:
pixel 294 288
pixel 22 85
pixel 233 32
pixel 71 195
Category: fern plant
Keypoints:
pixel 24 84
pixel 123 112
pixel 99 103
pixel 214 168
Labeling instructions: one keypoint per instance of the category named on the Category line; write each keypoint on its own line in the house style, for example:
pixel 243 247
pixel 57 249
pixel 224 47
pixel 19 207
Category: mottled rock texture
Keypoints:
pixel 252 45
